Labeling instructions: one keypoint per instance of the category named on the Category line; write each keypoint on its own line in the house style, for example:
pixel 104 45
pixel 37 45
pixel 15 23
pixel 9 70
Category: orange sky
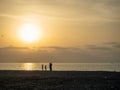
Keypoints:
pixel 68 23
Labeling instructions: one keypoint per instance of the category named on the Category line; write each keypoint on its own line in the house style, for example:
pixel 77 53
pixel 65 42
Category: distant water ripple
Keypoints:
pixel 62 66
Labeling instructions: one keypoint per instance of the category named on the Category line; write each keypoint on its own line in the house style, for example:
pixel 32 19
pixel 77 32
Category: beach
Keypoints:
pixel 59 80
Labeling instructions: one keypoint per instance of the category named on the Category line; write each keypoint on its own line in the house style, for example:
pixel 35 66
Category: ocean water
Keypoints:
pixel 62 66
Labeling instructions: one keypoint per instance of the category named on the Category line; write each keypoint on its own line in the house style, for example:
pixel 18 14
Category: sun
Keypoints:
pixel 29 33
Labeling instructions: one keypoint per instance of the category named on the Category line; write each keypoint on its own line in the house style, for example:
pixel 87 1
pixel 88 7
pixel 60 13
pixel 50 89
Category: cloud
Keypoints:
pixel 13 54
pixel 13 48
pixel 95 47
pixel 111 43
pixel 81 10
pixel 92 53
pixel 11 16
pixel 62 48
pixel 117 46
pixel 109 9
pixel 114 44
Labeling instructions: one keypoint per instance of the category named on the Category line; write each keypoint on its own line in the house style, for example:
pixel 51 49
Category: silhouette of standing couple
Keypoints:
pixel 44 67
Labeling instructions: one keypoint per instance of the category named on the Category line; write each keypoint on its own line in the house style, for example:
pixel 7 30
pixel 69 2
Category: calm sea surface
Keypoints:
pixel 62 66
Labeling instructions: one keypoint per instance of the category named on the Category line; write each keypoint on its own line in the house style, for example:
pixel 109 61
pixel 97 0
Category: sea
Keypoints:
pixel 62 66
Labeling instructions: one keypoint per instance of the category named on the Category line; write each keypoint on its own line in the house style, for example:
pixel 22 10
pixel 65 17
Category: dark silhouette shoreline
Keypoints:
pixel 59 80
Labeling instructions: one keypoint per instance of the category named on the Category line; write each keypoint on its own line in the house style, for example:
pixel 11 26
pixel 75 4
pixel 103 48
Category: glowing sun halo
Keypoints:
pixel 29 33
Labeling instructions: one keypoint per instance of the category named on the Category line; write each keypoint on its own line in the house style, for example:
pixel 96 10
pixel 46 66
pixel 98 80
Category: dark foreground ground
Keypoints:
pixel 59 80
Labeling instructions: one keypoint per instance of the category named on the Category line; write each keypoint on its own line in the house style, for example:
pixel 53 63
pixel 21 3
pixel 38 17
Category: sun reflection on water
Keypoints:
pixel 28 66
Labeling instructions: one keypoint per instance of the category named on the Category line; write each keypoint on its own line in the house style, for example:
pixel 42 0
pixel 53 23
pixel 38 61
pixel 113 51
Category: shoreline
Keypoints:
pixel 59 74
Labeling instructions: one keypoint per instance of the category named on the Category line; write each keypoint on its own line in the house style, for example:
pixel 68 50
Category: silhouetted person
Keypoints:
pixel 45 67
pixel 42 67
pixel 50 66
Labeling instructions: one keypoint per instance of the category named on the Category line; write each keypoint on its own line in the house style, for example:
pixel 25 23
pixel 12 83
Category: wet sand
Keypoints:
pixel 59 80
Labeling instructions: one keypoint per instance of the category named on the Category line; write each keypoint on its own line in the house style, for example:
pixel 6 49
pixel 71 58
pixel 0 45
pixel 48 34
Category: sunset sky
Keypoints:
pixel 69 30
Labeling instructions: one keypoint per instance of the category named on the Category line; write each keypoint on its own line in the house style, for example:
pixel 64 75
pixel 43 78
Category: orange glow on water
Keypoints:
pixel 28 66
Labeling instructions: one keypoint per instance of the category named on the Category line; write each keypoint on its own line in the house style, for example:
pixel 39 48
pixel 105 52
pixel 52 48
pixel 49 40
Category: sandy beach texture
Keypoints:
pixel 59 80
